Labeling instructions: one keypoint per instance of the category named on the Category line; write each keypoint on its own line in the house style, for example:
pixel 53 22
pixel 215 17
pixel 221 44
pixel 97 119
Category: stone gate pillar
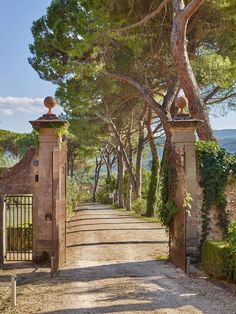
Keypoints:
pixel 49 202
pixel 183 129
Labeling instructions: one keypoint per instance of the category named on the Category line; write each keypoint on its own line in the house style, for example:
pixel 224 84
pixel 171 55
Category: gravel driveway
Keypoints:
pixel 113 268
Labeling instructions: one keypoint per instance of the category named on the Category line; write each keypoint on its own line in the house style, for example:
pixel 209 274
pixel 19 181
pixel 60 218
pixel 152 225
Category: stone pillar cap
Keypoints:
pixel 183 120
pixel 50 102
pixel 187 123
pixel 49 120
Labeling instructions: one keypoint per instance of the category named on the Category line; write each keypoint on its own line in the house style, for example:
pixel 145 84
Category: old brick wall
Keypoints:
pixel 231 198
pixel 216 232
pixel 16 180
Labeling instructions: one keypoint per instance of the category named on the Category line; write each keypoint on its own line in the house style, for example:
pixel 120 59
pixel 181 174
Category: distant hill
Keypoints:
pixel 227 139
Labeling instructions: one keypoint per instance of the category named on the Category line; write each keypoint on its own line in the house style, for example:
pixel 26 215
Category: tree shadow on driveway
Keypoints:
pixel 116 243
pixel 163 289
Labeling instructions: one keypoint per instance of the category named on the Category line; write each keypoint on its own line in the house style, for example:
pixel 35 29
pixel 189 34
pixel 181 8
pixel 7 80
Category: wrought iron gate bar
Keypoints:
pixel 19 228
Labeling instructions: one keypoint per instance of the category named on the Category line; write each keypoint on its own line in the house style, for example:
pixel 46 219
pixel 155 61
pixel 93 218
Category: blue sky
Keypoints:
pixel 21 90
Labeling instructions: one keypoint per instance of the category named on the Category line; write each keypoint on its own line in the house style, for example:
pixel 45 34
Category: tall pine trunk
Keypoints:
pixel 125 157
pixel 197 108
pixel 96 177
pixel 153 186
pixel 139 161
pixel 152 191
pixel 120 177
pixel 130 158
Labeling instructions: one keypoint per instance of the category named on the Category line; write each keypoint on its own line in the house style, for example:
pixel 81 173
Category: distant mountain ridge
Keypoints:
pixel 227 139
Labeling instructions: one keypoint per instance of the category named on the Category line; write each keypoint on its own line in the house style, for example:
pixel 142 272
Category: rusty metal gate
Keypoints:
pixel 19 227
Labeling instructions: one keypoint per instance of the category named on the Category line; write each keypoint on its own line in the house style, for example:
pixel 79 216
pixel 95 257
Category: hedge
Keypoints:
pixel 218 261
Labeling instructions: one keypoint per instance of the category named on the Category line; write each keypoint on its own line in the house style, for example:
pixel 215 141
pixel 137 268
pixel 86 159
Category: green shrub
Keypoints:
pixel 109 186
pixel 76 193
pixel 232 244
pixel 139 206
pixel 151 205
pixel 102 196
pixel 217 260
pixel 167 212
pixel 73 191
pixel 166 208
pixel 232 236
pixel 234 267
pixel 146 177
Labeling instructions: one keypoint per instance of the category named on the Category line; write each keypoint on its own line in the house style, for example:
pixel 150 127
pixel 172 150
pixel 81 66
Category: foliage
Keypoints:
pixel 13 146
pixel 73 191
pixel 8 160
pixel 215 166
pixel 136 215
pixel 75 46
pixel 15 143
pixel 146 177
pixel 151 205
pixel 188 203
pixel 74 42
pixel 109 186
pixel 232 236
pixel 79 154
pixel 163 257
pixel 62 132
pixel 167 213
pixel 166 207
pixel 217 259
pixel 139 206
pixel 111 183
pixel 212 67
pixel 35 134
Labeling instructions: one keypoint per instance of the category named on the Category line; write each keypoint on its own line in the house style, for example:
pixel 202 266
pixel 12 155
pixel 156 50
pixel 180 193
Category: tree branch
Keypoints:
pixel 212 93
pixel 184 69
pixel 147 95
pixel 171 94
pixel 221 99
pixel 192 7
pixel 144 90
pixel 146 19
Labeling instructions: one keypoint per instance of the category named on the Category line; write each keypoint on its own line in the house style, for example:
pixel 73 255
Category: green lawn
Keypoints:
pixel 134 214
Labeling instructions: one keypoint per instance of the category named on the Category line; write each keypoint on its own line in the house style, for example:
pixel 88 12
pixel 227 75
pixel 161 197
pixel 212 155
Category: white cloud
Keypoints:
pixel 11 105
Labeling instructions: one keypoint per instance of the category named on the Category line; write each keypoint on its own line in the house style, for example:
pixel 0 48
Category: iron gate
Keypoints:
pixel 19 227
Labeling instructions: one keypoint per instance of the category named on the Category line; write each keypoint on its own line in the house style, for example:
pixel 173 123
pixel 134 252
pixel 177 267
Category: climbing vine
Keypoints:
pixel 152 191
pixel 188 203
pixel 215 166
pixel 62 131
pixel 167 208
pixel 35 134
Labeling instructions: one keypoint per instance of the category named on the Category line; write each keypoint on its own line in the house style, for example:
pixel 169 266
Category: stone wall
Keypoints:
pixel 231 198
pixel 42 173
pixel 19 179
pixel 216 232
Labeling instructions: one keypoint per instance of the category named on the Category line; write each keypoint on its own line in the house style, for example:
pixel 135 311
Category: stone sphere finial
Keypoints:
pixel 50 102
pixel 181 103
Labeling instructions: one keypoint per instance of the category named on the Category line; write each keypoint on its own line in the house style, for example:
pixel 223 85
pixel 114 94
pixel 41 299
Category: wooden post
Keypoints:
pixel 13 290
